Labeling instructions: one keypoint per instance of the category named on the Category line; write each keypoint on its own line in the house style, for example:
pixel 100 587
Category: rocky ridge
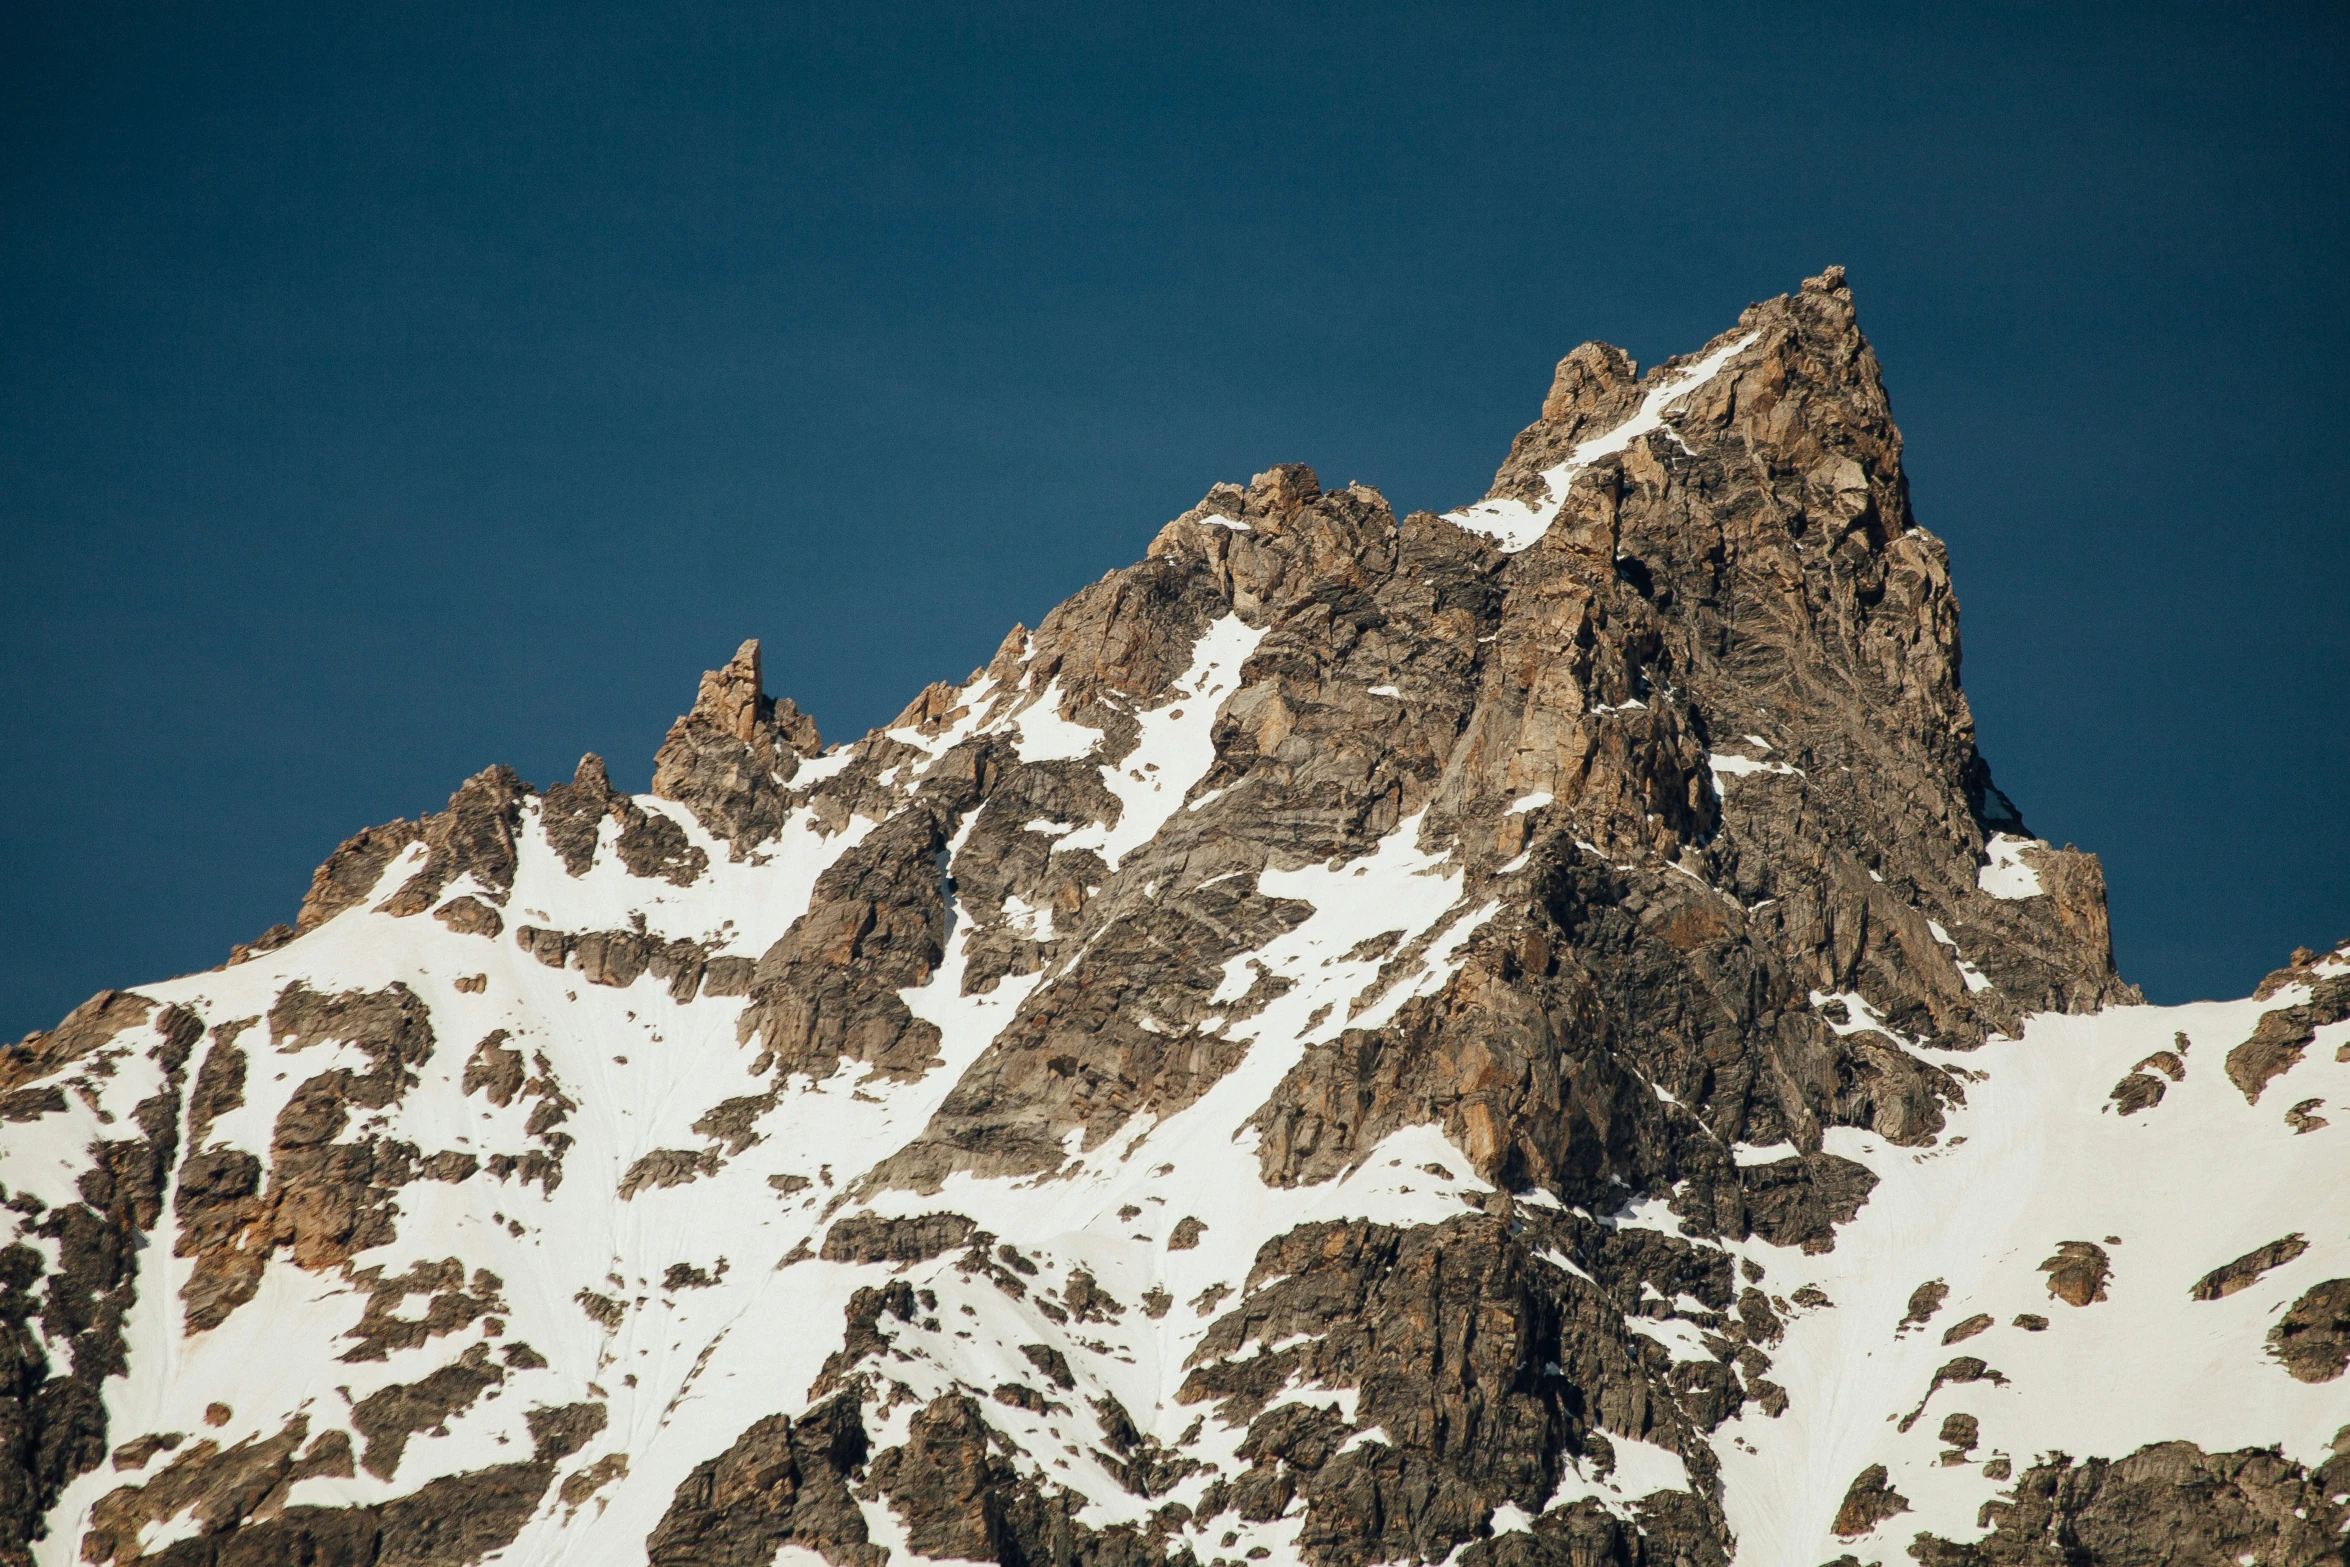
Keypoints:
pixel 1520 1036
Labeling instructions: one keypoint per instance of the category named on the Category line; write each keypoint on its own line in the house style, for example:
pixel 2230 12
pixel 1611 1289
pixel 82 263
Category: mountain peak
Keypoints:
pixel 1519 1038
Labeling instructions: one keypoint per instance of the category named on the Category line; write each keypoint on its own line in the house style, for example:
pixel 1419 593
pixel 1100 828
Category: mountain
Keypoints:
pixel 1517 1038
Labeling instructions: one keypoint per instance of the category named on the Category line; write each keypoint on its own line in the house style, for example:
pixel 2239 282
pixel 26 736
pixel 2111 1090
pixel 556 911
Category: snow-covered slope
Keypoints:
pixel 1524 1036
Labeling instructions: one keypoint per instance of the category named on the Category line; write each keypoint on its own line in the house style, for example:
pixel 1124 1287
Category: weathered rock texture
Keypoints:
pixel 1358 1039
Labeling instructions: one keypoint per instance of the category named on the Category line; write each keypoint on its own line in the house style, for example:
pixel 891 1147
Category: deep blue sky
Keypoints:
pixel 390 390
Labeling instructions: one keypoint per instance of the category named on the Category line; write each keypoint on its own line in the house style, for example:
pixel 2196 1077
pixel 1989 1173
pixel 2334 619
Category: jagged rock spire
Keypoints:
pixel 729 759
pixel 734 695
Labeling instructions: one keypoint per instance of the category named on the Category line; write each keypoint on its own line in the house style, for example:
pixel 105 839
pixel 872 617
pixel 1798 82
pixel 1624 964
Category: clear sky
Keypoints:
pixel 390 390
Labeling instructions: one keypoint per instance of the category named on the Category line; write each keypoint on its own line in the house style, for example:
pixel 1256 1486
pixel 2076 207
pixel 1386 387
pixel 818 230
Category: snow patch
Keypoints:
pixel 2005 875
pixel 1177 746
pixel 1725 762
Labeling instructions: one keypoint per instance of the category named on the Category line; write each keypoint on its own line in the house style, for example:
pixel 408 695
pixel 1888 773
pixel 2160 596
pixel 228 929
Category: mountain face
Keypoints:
pixel 1515 1038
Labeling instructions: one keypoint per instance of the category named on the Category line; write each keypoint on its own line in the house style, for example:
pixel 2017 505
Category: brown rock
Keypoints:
pixel 474 837
pixel 1924 1301
pixel 1959 1331
pixel 494 1069
pixel 648 844
pixel 781 1482
pixel 2136 1092
pixel 1868 1502
pixel 2077 1273
pixel 2282 1035
pixel 84 1029
pixel 870 1238
pixel 944 1485
pixel 470 917
pixel 875 925
pixel 2246 1270
pixel 1962 1369
pixel 222 1488
pixel 665 1167
pixel 2170 1502
pixel 2312 1338
pixel 387 1418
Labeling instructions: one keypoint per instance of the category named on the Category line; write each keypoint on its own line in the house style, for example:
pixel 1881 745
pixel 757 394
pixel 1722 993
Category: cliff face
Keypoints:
pixel 1527 1036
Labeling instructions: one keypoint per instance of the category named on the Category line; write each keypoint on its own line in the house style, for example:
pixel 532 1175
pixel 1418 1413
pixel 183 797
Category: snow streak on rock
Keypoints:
pixel 1518 524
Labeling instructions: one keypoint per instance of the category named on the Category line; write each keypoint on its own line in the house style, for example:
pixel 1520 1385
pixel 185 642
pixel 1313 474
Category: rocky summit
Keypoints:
pixel 1517 1038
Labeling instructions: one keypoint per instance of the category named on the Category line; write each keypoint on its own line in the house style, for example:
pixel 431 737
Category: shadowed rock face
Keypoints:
pixel 1352 1041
